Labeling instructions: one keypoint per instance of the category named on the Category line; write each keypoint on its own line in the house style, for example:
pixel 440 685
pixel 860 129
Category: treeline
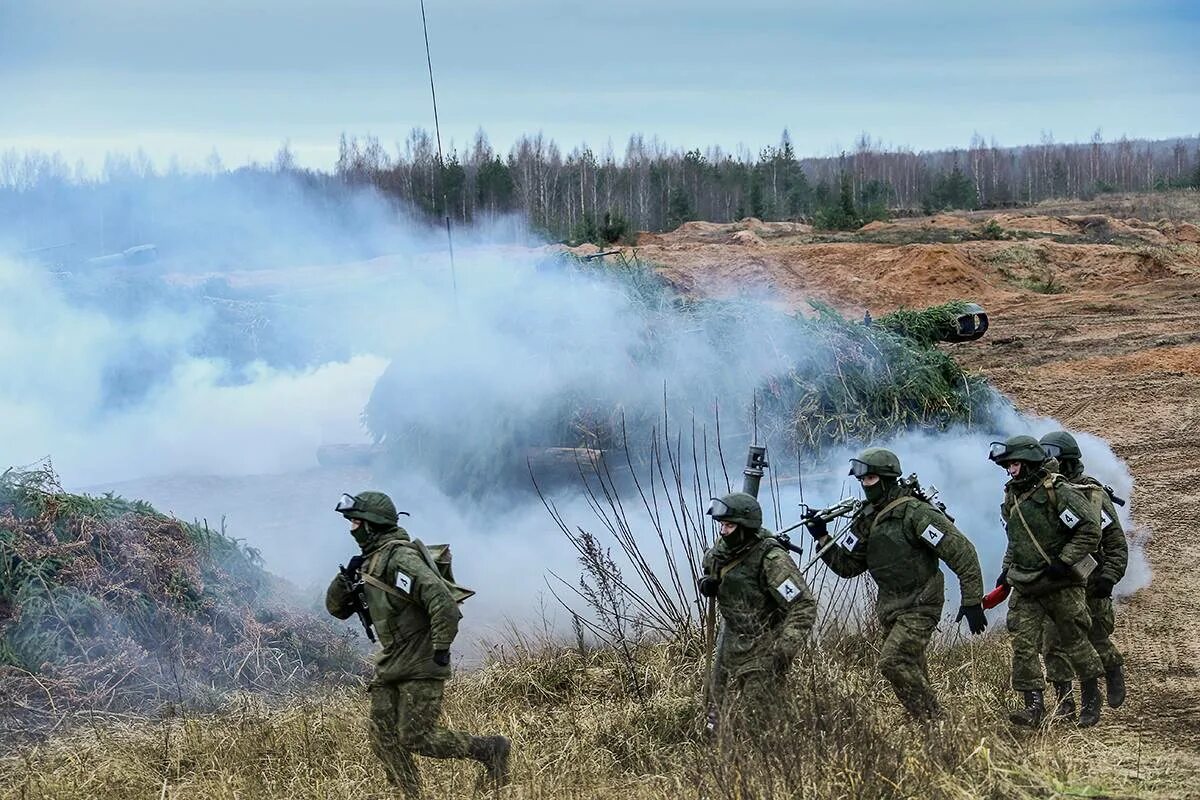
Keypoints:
pixel 576 195
pixel 652 187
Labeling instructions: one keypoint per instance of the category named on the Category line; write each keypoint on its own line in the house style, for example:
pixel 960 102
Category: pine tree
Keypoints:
pixel 679 208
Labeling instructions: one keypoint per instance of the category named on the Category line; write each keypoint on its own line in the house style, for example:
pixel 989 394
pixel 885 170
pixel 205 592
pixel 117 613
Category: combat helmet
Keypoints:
pixel 739 507
pixel 374 507
pixel 1018 448
pixel 1061 445
pixel 875 461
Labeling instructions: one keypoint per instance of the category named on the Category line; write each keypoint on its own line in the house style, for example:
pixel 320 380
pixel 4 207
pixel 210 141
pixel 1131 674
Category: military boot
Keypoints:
pixel 1089 702
pixel 492 752
pixel 1065 712
pixel 1031 715
pixel 1114 684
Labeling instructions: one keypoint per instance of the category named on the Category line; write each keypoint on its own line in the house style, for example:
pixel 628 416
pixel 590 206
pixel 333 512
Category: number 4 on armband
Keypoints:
pixel 788 590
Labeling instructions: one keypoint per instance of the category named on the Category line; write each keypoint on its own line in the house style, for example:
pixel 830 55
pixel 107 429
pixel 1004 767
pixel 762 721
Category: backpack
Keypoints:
pixel 439 558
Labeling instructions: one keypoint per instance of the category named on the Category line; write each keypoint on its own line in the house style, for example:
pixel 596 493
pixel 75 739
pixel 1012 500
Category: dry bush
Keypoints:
pixel 108 606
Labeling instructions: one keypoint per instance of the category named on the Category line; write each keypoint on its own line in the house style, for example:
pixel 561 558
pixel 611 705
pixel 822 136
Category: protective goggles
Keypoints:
pixel 860 469
pixel 997 451
pixel 1052 450
pixel 345 503
pixel 719 510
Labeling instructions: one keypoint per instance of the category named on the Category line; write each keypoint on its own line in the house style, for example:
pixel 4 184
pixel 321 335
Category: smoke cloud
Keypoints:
pixel 206 381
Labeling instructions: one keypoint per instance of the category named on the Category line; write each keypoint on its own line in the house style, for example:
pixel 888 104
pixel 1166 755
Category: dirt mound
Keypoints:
pixel 745 239
pixel 1034 223
pixel 1084 267
pixel 849 276
pixel 1186 232
pixel 698 232
pixel 713 232
pixel 922 274
pixel 1103 226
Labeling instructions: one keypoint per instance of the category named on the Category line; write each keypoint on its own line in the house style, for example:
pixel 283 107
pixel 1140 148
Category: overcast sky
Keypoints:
pixel 185 76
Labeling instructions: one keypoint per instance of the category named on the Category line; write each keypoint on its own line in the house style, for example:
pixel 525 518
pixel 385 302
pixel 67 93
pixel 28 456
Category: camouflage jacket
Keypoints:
pixel 411 624
pixel 767 610
pixel 1113 553
pixel 900 545
pixel 1058 516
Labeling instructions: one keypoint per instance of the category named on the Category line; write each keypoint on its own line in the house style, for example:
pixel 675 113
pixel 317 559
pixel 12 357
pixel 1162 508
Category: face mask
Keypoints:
pixel 876 492
pixel 362 535
pixel 1071 467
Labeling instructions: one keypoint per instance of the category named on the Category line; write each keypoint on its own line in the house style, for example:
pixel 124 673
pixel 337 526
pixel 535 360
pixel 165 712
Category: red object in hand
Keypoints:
pixel 996 596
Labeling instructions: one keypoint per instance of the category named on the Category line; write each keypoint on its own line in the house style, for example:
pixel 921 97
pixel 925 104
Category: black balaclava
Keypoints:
pixel 1071 468
pixel 882 491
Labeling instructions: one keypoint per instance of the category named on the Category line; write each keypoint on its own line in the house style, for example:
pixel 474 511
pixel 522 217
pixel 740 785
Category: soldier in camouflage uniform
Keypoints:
pixel 767 610
pixel 416 620
pixel 1052 526
pixel 1113 558
pixel 899 539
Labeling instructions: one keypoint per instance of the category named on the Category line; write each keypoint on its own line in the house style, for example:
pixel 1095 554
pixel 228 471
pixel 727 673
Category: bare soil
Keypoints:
pixel 1103 336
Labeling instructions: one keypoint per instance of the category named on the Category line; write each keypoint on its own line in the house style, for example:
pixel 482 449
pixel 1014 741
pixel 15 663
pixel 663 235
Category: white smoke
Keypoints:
pixel 161 396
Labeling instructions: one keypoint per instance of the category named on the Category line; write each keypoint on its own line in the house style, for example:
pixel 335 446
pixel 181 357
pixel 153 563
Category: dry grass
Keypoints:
pixel 580 732
pixel 1180 205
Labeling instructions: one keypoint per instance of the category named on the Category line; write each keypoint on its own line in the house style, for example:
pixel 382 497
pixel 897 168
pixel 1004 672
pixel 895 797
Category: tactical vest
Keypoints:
pixel 1033 524
pixel 744 599
pixel 896 562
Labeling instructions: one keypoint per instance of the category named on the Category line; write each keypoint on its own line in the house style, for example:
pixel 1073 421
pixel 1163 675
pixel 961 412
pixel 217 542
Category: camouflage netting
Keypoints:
pixel 847 383
pixel 108 605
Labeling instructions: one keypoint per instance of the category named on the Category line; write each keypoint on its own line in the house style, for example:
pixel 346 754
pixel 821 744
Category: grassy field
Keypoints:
pixel 582 730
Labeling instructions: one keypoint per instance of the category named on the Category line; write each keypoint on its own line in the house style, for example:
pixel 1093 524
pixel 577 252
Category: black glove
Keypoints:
pixel 1003 579
pixel 1058 571
pixel 708 586
pixel 817 527
pixel 976 620
pixel 354 565
pixel 441 658
pixel 1102 587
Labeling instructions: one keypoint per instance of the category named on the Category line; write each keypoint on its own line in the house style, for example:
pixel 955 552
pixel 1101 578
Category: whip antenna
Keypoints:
pixel 437 130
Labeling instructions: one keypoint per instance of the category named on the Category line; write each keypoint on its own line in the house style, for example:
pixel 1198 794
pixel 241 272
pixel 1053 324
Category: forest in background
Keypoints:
pixel 585 195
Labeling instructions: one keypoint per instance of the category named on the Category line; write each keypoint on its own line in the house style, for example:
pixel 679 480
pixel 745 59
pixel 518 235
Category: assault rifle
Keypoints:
pixel 358 602
pixel 914 488
pixel 1113 495
pixel 846 506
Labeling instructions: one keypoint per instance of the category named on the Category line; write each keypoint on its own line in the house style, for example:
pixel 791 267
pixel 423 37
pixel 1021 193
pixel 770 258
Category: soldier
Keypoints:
pixel 1052 528
pixel 1113 558
pixel 766 608
pixel 899 538
pixel 416 619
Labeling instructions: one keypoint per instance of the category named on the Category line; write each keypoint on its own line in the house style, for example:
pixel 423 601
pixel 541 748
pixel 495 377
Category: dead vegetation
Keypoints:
pixel 112 608
pixel 579 732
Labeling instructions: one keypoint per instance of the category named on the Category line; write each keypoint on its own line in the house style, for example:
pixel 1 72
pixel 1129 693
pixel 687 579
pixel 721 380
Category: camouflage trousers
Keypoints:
pixel 1065 610
pixel 404 722
pixel 749 703
pixel 1058 664
pixel 902 660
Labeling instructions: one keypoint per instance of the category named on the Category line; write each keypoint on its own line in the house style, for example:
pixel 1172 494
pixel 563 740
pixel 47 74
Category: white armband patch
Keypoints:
pixel 788 590
pixel 403 582
pixel 1105 519
pixel 932 535
pixel 849 541
pixel 1069 518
